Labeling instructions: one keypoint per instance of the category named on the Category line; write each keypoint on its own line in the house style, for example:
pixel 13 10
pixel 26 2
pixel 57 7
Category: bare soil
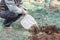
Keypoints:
pixel 48 32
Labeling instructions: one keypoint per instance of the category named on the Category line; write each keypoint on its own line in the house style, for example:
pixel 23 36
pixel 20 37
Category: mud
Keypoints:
pixel 48 32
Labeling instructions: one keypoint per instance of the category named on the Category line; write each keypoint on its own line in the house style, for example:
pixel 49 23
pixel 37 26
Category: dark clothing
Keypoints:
pixel 7 23
pixel 9 17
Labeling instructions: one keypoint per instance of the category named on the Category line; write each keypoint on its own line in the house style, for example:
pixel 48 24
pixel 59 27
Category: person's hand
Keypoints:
pixel 25 12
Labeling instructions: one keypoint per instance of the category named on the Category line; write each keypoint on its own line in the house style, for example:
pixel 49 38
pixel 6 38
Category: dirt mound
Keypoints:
pixel 48 32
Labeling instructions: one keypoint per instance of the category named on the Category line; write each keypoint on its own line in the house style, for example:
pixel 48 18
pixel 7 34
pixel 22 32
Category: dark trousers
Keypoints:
pixel 9 17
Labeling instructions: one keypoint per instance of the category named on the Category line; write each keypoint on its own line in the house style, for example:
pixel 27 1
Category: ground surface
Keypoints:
pixel 44 36
pixel 48 32
pixel 12 34
pixel 43 16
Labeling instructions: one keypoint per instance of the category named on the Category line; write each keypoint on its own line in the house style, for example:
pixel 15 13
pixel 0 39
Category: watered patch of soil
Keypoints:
pixel 48 32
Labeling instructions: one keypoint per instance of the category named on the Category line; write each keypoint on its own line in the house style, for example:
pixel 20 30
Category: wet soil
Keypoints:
pixel 48 32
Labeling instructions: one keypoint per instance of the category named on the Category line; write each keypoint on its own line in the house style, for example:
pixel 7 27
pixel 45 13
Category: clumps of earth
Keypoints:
pixel 47 32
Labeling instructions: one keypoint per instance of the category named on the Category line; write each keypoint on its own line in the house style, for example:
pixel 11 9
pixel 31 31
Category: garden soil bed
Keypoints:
pixel 48 32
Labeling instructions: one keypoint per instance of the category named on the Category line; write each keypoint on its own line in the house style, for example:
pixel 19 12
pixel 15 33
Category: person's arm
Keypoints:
pixel 12 7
